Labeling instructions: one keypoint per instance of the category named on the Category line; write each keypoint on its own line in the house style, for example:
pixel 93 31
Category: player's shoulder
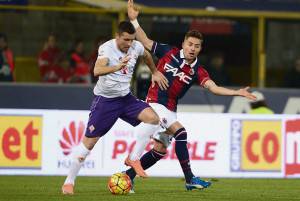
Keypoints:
pixel 107 45
pixel 199 65
pixel 106 49
pixel 173 51
pixel 137 45
pixel 202 69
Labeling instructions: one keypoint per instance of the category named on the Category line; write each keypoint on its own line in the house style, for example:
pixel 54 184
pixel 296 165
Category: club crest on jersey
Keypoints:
pixel 91 128
pixel 192 72
pixel 182 77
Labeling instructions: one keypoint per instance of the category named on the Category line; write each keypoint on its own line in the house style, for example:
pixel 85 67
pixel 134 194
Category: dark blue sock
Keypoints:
pixel 183 154
pixel 147 160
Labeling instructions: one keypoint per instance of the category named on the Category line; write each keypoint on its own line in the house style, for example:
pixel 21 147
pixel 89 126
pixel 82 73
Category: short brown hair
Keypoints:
pixel 126 26
pixel 194 34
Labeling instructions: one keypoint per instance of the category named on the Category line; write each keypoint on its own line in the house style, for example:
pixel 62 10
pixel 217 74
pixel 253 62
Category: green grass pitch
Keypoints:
pixel 46 188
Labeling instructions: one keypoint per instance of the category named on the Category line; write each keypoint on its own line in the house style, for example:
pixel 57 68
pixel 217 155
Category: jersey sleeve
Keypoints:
pixel 203 76
pixel 104 51
pixel 160 49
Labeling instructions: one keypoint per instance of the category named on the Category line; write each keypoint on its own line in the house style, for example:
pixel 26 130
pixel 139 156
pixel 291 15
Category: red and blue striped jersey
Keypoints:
pixel 181 76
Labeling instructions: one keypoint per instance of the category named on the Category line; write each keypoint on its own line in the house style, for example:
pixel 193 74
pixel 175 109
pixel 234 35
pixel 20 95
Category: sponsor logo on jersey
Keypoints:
pixel 176 73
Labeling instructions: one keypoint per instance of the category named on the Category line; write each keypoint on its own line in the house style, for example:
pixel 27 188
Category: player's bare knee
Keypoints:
pixel 160 147
pixel 152 118
pixel 89 143
pixel 149 116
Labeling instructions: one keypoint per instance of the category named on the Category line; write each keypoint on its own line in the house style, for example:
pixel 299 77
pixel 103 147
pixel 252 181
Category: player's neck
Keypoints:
pixel 119 48
pixel 190 61
pixel 125 52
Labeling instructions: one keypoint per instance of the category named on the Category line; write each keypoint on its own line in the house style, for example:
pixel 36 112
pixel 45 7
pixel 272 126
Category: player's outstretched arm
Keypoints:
pixel 212 87
pixel 157 77
pixel 101 67
pixel 140 34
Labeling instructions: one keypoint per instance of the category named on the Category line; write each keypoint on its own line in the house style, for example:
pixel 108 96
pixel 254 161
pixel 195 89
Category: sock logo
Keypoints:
pixel 92 128
pixel 71 137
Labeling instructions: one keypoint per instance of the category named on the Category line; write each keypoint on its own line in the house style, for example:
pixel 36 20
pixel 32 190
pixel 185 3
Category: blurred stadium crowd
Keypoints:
pixel 55 65
pixel 64 49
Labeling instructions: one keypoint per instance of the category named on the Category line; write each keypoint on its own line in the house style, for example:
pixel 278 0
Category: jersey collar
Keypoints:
pixel 182 57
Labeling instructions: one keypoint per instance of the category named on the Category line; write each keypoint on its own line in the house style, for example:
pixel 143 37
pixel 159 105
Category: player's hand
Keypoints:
pixel 132 10
pixel 123 62
pixel 160 79
pixel 244 92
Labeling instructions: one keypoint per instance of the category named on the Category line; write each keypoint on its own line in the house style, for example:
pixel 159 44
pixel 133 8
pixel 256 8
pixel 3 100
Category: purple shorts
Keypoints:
pixel 106 111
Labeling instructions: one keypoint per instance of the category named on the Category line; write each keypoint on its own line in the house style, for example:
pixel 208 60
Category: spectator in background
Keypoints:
pixel 217 70
pixel 6 60
pixel 79 64
pixel 259 106
pixel 49 61
pixel 292 78
pixel 64 71
pixel 93 57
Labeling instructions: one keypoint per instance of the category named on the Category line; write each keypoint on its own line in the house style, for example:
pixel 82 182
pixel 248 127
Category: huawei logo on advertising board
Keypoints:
pixel 71 137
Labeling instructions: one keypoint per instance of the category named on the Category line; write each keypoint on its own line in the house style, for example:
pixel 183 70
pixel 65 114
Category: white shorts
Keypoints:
pixel 166 116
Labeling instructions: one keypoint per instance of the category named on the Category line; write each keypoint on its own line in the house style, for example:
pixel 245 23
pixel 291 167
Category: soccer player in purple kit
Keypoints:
pixel 182 68
pixel 113 99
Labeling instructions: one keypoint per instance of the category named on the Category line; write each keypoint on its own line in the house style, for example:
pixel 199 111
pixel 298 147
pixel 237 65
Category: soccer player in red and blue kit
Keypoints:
pixel 182 68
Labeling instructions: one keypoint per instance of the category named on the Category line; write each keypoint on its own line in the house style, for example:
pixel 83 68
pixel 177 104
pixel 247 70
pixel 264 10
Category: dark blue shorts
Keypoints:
pixel 106 111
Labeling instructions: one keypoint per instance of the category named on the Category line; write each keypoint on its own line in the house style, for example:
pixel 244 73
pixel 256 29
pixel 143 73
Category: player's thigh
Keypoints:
pixel 166 116
pixel 103 115
pixel 148 115
pixel 136 111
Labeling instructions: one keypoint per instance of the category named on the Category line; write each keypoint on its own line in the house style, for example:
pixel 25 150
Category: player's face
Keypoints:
pixel 124 41
pixel 191 48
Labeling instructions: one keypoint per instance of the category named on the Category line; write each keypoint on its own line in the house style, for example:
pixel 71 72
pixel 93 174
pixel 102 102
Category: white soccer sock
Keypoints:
pixel 78 156
pixel 143 133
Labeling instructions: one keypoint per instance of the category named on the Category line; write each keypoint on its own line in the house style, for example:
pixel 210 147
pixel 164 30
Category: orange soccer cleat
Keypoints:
pixel 136 165
pixel 67 189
